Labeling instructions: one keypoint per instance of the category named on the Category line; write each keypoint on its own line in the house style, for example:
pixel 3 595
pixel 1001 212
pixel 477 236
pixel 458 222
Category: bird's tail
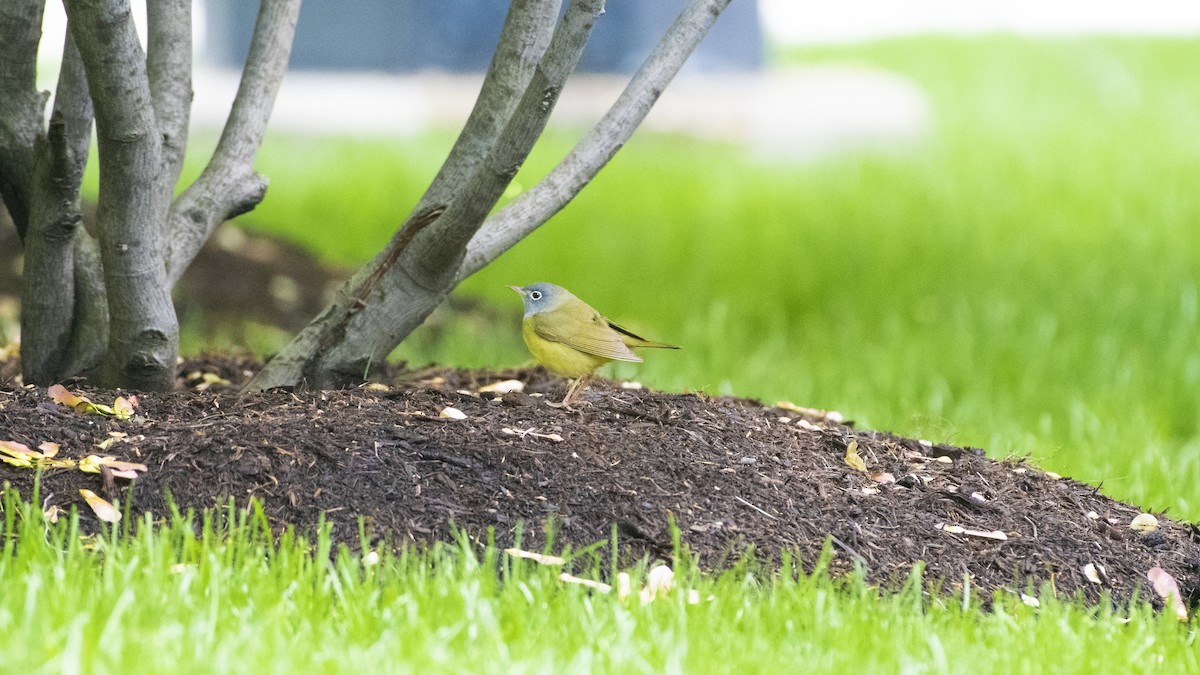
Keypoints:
pixel 633 340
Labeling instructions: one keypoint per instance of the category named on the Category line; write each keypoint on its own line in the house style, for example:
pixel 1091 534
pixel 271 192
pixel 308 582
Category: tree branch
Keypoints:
pixel 523 41
pixel 229 186
pixel 537 205
pixel 21 105
pixel 48 289
pixel 143 332
pixel 169 69
pixel 393 294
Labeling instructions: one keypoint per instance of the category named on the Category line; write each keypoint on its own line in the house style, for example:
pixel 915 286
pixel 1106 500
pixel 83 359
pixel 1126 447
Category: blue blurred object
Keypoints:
pixel 402 36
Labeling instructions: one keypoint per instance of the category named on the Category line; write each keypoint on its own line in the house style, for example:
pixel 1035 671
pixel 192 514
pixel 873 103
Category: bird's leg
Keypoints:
pixel 573 390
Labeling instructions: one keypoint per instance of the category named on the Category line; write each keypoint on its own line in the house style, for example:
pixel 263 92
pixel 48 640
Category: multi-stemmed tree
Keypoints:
pixel 99 303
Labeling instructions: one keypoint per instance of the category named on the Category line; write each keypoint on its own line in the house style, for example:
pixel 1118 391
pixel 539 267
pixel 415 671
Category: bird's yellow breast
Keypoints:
pixel 557 357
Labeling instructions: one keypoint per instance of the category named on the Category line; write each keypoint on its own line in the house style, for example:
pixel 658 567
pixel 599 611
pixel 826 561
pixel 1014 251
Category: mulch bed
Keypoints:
pixel 733 474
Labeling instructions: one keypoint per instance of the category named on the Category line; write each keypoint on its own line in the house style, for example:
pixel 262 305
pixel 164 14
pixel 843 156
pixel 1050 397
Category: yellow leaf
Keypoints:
pixel 853 460
pixel 18 450
pixel 122 408
pixel 106 443
pixel 59 394
pixel 103 510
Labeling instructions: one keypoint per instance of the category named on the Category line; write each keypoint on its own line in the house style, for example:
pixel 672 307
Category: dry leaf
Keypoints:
pixel 998 535
pixel 539 558
pixel 1168 589
pixel 452 413
pixel 375 386
pixel 103 510
pixel 624 586
pixel 1143 523
pixel 92 464
pixel 503 387
pixel 852 458
pixel 1094 573
pixel 59 394
pixel 531 432
pixel 882 477
pixel 659 582
pixel 823 415
pixel 17 454
pixel 122 408
pixel 48 449
pixel 595 585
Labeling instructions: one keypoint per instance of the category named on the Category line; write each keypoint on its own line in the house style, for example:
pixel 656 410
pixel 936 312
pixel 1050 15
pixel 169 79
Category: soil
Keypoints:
pixel 734 475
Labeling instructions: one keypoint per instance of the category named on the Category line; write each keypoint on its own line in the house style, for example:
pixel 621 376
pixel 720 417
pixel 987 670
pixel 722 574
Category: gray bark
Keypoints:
pixel 21 105
pixel 48 292
pixel 229 186
pixel 532 208
pixel 519 92
pixel 169 69
pixel 143 335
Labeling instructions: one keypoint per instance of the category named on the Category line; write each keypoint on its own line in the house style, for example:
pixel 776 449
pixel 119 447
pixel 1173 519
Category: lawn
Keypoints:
pixel 230 601
pixel 1023 280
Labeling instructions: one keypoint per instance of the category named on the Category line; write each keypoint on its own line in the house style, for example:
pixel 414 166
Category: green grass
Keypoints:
pixel 215 595
pixel 1023 279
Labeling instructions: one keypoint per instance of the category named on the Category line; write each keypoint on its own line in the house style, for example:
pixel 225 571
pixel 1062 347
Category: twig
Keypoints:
pixel 444 458
pixel 846 547
pixel 755 508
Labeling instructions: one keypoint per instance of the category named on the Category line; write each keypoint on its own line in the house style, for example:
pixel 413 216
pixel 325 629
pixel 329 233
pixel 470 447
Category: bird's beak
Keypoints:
pixel 518 289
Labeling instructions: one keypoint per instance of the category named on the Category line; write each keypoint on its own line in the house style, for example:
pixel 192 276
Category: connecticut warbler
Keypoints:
pixel 570 338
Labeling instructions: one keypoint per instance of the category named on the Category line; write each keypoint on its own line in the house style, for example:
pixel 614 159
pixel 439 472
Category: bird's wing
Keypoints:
pixel 586 331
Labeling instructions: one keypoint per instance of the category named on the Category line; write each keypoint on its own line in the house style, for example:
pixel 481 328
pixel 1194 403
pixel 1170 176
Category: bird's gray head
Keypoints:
pixel 542 297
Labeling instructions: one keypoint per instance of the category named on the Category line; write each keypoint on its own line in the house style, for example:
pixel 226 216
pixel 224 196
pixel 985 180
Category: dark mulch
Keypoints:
pixel 733 474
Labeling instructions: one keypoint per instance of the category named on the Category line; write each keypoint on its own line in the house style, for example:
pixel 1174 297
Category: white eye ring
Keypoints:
pixel 535 295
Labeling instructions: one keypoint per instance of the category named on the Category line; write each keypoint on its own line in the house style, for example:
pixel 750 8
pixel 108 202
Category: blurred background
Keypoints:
pixel 967 222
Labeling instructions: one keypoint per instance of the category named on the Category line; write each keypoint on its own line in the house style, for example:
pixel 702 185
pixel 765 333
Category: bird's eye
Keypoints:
pixel 535 295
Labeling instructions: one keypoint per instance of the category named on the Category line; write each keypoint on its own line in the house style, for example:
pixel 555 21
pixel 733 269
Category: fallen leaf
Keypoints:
pixel 852 458
pixel 595 585
pixel 1093 573
pixel 18 454
pixel 103 510
pixel 997 535
pixel 503 387
pixel 122 408
pixel 882 477
pixel 59 394
pixel 540 558
pixel 48 449
pixel 452 413
pixel 1143 523
pixel 92 464
pixel 531 432
pixel 659 582
pixel 1168 589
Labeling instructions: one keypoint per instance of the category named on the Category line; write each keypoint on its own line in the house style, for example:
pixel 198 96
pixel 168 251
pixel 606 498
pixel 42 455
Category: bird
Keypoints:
pixel 569 338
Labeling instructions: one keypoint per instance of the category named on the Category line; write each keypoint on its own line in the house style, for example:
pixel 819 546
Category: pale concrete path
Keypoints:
pixel 797 113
